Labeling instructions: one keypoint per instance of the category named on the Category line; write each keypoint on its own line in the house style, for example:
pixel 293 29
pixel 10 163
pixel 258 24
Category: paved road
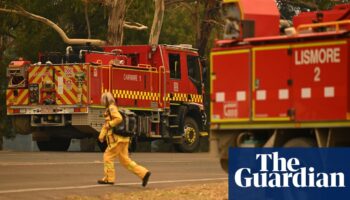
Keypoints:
pixel 51 175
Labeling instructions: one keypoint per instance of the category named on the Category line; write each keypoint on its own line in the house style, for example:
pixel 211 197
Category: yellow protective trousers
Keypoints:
pixel 120 150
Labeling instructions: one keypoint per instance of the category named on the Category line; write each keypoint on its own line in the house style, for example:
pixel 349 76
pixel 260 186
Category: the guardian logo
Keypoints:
pixel 279 172
pixel 289 173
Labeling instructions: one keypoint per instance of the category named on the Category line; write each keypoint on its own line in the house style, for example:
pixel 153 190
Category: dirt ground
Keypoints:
pixel 210 191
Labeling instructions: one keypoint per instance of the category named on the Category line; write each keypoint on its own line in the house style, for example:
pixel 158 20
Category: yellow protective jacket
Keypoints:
pixel 112 118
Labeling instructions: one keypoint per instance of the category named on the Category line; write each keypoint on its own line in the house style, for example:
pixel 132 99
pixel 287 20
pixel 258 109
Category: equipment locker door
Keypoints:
pixel 95 84
pixel 230 85
pixel 320 78
pixel 271 83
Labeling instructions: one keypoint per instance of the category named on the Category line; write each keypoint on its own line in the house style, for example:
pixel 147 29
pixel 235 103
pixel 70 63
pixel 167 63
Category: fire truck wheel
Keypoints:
pixel 190 140
pixel 54 144
pixel 300 142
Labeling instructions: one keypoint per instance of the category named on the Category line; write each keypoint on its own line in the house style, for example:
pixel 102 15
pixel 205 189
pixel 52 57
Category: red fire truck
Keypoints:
pixel 276 87
pixel 58 98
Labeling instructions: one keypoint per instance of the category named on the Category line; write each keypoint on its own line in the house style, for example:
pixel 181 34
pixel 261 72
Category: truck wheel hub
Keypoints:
pixel 190 135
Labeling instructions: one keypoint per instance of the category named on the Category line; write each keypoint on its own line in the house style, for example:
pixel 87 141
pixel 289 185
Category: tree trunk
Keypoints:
pixel 2 98
pixel 211 11
pixel 197 20
pixel 86 13
pixel 3 45
pixel 117 9
pixel 157 22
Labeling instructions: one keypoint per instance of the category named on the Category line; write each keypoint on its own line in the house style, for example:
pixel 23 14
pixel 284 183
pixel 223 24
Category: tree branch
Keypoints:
pixel 128 25
pixel 87 19
pixel 159 8
pixel 134 26
pixel 65 38
pixel 172 2
pixel 211 21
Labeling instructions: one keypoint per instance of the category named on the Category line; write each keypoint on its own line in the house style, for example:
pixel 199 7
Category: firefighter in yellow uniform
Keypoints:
pixel 117 145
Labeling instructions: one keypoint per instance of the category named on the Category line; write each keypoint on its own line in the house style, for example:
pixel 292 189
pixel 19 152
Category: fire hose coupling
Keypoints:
pixel 80 78
pixel 34 93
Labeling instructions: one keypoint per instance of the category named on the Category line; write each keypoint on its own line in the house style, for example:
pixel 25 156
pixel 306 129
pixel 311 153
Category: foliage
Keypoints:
pixel 141 12
pixel 289 8
pixel 26 38
pixel 178 26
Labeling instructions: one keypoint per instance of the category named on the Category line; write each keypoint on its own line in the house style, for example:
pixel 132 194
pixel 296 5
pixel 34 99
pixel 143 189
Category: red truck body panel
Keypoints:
pixel 295 82
pixel 265 15
pixel 271 91
pixel 339 12
pixel 138 77
pixel 231 85
pixel 320 89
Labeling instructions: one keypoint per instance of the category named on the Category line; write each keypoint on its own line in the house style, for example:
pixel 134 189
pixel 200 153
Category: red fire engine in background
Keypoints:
pixel 58 98
pixel 276 87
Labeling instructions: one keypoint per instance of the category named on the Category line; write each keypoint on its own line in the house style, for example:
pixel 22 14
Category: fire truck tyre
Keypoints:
pixel 300 142
pixel 190 140
pixel 54 144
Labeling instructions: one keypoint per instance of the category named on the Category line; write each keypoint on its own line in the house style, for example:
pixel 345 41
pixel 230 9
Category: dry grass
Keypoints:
pixel 210 191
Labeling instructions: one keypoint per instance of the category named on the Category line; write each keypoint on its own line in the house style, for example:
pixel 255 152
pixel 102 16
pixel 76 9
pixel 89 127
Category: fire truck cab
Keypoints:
pixel 58 98
pixel 272 89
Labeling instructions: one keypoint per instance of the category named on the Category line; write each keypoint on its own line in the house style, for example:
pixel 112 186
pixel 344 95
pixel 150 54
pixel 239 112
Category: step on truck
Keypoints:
pixel 276 83
pixel 57 98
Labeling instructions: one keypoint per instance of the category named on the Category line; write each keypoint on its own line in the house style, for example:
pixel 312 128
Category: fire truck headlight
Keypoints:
pixel 49 117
